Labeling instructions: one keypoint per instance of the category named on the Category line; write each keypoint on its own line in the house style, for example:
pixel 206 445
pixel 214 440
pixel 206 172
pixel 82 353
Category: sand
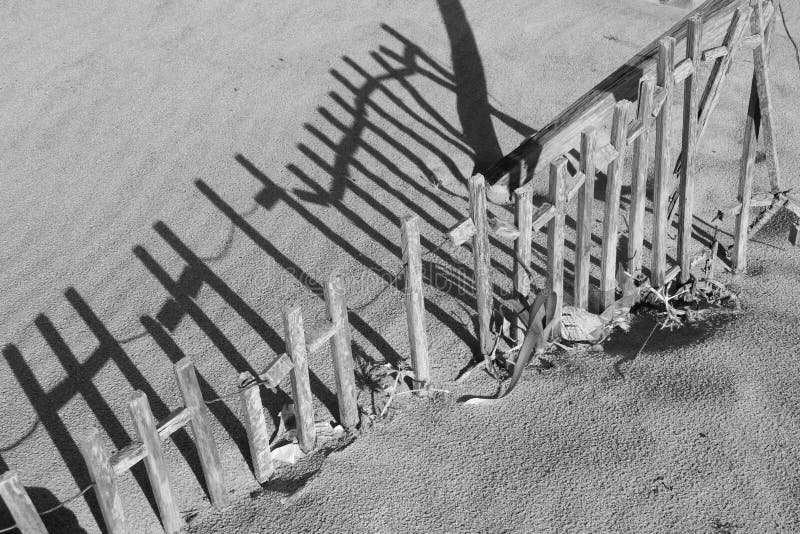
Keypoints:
pixel 174 175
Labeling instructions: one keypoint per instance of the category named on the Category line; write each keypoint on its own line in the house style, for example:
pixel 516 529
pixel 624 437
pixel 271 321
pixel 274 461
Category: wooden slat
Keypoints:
pixel 481 261
pixel 659 96
pixel 19 504
pixel 689 142
pixel 342 351
pixel 201 430
pixel 176 420
pixel 583 241
pixel 542 216
pixel 277 370
pixel 301 386
pixel 639 177
pixel 255 425
pixel 683 70
pixel 157 471
pixel 594 108
pixel 746 163
pixel 99 465
pixel 636 127
pixel 577 184
pixel 760 60
pixel 322 337
pixel 608 260
pixel 415 302
pixel 523 218
pixel 605 155
pixel 666 60
pixel 127 457
pixel 557 196
pixel 462 232
pixel 715 53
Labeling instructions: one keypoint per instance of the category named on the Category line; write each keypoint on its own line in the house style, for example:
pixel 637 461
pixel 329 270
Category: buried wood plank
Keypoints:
pixel 481 261
pixel 301 385
pixel 608 260
pixel 201 431
pixel 583 240
pixel 157 471
pixel 689 143
pixel 255 425
pixel 342 351
pixel 105 487
pixel 523 218
pixel 19 504
pixel 666 60
pixel 639 176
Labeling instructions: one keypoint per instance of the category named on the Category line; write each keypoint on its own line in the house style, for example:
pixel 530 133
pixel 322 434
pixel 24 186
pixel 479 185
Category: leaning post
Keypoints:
pixel 415 302
pixel 481 261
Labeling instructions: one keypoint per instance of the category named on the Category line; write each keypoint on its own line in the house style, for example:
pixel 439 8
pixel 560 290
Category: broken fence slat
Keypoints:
pixel 255 425
pixel 301 386
pixel 542 216
pixel 481 261
pixel 20 505
pixel 462 232
pixel 277 370
pixel 317 343
pixel 714 53
pixel 583 240
pixel 605 155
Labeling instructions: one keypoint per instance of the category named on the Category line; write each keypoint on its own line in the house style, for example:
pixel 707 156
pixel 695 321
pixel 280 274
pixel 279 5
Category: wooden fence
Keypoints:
pixel 570 179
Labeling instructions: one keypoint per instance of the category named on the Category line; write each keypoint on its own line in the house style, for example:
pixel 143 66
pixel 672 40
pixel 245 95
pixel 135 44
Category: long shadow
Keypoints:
pixel 472 96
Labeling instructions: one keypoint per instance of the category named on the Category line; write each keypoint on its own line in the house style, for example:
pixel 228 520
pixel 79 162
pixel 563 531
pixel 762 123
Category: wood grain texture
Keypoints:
pixel 691 102
pixel 157 471
pixel 19 504
pixel 557 196
pixel 583 240
pixel 481 261
pixel 342 351
pixel 595 107
pixel 608 259
pixel 255 425
pixel 201 430
pixel 663 164
pixel 746 163
pixel 277 370
pixel 415 302
pixel 639 175
pixel 301 385
pixel 523 218
pixel 99 464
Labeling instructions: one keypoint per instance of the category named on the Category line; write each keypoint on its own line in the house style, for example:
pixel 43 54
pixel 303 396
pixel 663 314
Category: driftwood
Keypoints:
pixel 594 108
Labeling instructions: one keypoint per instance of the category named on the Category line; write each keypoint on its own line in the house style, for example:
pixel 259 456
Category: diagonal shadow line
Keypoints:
pixel 253 319
pixel 293 269
pixel 59 435
pixel 453 139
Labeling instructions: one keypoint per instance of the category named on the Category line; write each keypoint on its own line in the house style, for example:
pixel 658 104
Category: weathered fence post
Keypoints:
pixel 201 430
pixel 583 240
pixel 664 79
pixel 256 426
pixel 301 386
pixel 639 181
pixel 689 142
pixel 415 302
pixel 19 504
pixel 481 261
pixel 98 462
pixel 608 261
pixel 557 197
pixel 157 471
pixel 523 218
pixel 342 352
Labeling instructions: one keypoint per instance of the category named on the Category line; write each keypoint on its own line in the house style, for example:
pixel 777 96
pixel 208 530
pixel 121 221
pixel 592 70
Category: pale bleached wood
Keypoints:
pixel 201 430
pixel 663 164
pixel 767 130
pixel 20 505
pixel 415 302
pixel 594 108
pixel 577 186
pixel 481 262
pixel 605 155
pixel 639 175
pixel 462 232
pixel 301 385
pixel 608 260
pixel 105 486
pixel 689 143
pixel 523 218
pixel 276 371
pixel 127 457
pixel 684 69
pixel 583 241
pixel 746 163
pixel 715 53
pixel 176 420
pixel 342 351
pixel 321 338
pixel 255 425
pixel 557 196
pixel 157 471
pixel 542 216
